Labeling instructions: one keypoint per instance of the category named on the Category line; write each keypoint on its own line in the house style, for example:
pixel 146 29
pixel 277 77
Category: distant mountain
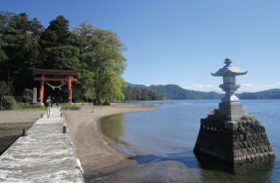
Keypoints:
pixel 267 94
pixel 134 85
pixel 176 92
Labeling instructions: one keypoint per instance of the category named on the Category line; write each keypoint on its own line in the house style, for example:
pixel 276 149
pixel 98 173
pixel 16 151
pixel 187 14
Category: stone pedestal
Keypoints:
pixel 229 133
pixel 233 142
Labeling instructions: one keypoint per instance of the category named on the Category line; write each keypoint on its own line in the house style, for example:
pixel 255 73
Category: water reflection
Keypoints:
pixel 112 127
pixel 161 144
pixel 218 172
pixel 211 170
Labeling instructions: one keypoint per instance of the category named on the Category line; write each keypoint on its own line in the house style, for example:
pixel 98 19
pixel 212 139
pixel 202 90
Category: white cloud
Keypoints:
pixel 201 86
pixel 253 88
pixel 271 86
pixel 248 85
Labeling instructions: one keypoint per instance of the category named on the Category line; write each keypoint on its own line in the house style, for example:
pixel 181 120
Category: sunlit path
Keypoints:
pixel 46 154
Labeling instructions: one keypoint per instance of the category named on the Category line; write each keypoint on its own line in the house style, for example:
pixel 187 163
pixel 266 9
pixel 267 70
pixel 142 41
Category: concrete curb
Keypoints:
pixel 45 154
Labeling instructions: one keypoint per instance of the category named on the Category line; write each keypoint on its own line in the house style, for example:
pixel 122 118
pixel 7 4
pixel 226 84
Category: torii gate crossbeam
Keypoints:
pixel 44 72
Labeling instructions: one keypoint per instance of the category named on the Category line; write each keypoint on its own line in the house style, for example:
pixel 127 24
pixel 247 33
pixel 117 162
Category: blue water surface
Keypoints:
pixel 161 142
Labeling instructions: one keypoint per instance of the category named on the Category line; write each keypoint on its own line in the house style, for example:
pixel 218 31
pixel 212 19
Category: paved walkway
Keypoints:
pixel 46 154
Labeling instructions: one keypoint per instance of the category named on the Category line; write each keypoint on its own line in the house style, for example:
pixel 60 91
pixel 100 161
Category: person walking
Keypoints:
pixel 48 106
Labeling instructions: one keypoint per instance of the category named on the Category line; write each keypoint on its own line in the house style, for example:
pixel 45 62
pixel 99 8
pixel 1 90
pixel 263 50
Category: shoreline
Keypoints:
pixel 99 155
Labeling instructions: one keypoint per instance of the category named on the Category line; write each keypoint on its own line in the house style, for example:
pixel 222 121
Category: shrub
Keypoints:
pixel 27 95
pixel 21 105
pixel 9 102
pixel 69 106
pixel 247 118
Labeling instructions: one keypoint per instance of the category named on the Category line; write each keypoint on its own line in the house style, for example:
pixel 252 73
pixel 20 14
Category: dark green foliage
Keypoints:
pixel 27 95
pixel 6 88
pixel 96 52
pixel 136 93
pixel 9 102
pixel 61 57
pixel 58 51
pixel 57 33
pixel 20 49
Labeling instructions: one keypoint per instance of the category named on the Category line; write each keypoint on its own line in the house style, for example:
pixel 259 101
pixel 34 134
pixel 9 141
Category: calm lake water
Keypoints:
pixel 161 143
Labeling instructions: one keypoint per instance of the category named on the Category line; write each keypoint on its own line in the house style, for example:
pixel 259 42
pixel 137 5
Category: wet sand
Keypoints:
pixel 98 155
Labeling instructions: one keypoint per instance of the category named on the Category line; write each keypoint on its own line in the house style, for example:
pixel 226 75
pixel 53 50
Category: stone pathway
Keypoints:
pixel 46 154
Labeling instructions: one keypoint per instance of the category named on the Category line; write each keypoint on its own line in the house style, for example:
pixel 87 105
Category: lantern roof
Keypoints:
pixel 229 70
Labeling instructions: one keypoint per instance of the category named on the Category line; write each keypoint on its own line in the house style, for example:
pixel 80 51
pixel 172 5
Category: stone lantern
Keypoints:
pixel 230 109
pixel 229 133
pixel 228 73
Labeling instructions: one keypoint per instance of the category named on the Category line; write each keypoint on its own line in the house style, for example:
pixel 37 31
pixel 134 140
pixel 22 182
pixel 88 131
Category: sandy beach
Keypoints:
pixel 98 155
pixel 20 116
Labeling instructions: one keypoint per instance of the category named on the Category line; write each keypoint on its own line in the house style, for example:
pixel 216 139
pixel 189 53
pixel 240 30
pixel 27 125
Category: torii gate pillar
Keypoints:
pixel 42 88
pixel 44 72
pixel 69 90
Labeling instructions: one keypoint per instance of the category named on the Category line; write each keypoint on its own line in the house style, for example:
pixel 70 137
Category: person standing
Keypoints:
pixel 48 106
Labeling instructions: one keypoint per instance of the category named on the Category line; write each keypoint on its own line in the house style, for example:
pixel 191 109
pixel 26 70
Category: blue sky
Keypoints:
pixel 180 41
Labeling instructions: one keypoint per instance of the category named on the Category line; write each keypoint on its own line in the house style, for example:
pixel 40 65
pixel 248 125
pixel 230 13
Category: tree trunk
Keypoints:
pixel 1 102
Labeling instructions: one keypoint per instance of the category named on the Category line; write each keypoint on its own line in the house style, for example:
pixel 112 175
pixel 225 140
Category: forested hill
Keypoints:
pixel 136 93
pixel 176 92
pixel 268 94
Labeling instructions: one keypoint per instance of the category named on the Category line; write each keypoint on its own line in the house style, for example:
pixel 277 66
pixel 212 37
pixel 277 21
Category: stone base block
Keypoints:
pixel 230 111
pixel 233 142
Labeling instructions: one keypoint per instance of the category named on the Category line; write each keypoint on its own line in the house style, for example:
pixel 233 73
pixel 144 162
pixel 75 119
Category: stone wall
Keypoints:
pixel 244 144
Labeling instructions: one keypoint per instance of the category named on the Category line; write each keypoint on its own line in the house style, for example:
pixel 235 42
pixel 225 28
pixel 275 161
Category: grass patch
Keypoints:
pixel 27 109
pixel 69 106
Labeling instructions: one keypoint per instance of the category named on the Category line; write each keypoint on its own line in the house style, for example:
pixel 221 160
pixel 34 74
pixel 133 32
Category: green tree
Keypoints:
pixel 57 33
pixel 19 48
pixel 101 53
pixel 58 51
pixel 9 102
pixel 5 88
pixel 4 23
pixel 61 57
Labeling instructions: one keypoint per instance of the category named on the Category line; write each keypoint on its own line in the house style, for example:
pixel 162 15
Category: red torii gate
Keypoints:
pixel 44 72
